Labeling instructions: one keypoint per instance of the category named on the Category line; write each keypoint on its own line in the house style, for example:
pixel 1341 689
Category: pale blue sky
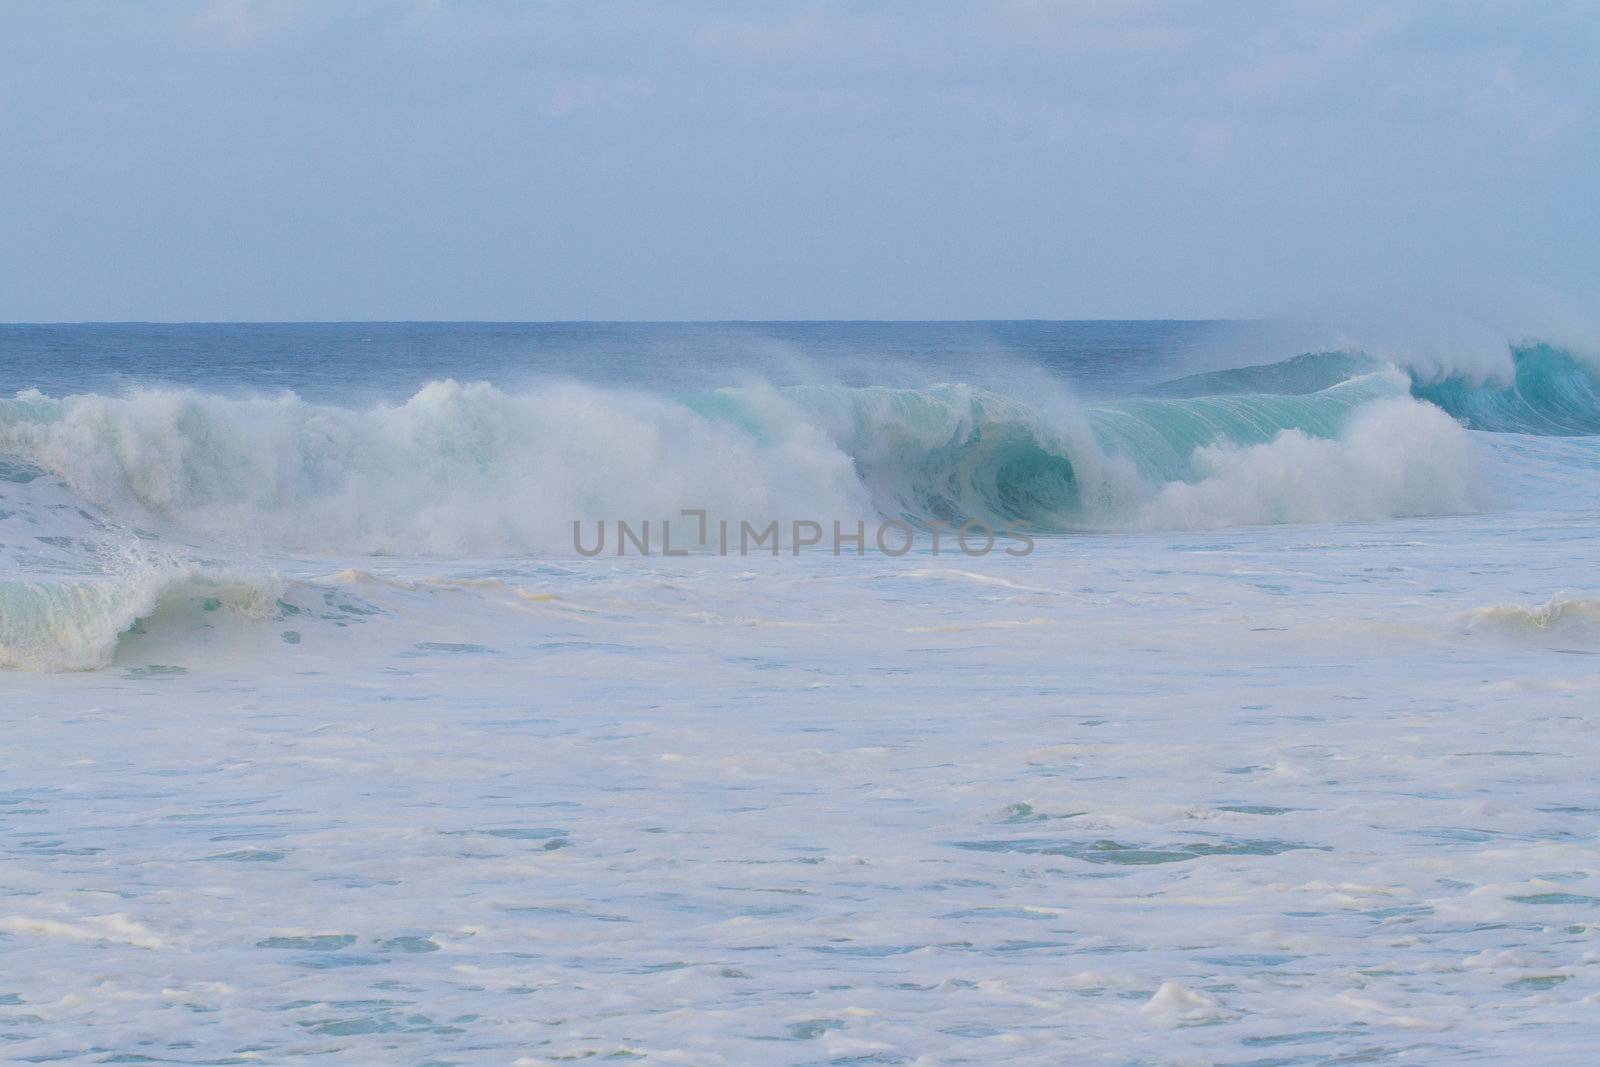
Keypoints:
pixel 275 159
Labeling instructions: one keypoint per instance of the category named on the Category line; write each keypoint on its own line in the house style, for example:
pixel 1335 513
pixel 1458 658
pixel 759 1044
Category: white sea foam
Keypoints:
pixel 1198 802
pixel 457 469
pixel 1395 458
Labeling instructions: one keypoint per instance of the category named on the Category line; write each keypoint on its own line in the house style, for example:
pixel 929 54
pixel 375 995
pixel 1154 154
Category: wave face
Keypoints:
pixel 472 470
pixel 1551 392
pixel 1544 390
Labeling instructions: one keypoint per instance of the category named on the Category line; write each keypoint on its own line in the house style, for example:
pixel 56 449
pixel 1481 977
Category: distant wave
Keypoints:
pixel 1548 391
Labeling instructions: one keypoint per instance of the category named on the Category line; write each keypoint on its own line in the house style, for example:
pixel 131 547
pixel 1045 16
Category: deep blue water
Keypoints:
pixel 362 361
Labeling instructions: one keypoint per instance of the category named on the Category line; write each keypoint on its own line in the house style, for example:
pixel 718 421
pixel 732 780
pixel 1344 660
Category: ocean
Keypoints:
pixel 1244 712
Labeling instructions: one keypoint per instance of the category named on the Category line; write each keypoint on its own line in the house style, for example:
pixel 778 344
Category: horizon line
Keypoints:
pixel 597 322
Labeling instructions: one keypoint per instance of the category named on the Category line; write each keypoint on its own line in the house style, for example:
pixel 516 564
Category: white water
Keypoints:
pixel 1270 794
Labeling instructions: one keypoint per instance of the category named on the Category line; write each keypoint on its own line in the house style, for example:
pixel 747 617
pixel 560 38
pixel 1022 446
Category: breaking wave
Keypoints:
pixel 470 469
